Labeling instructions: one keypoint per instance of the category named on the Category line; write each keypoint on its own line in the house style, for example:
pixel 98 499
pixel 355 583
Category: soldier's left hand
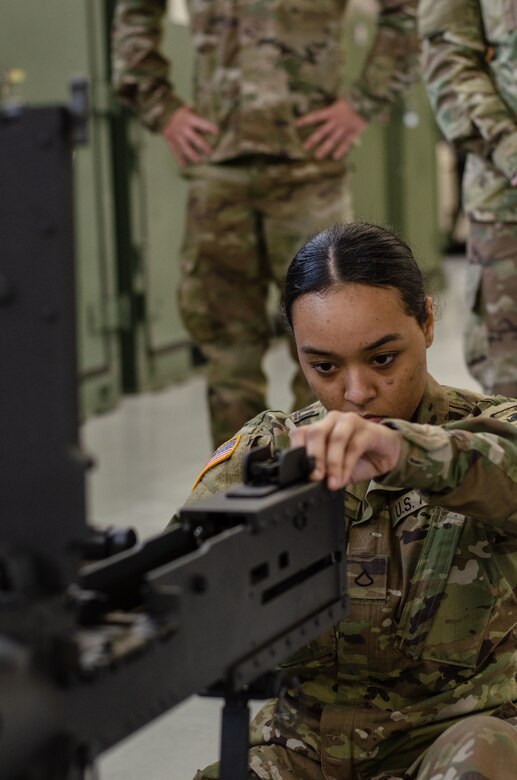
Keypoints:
pixel 339 127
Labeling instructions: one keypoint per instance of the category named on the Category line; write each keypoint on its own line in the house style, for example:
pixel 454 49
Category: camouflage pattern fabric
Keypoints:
pixel 491 326
pixel 429 641
pixel 470 59
pixel 259 65
pixel 245 221
pixel 479 748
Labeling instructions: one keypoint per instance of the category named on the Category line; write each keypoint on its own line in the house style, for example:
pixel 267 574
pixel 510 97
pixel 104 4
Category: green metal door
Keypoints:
pixel 393 176
pixel 43 44
pixel 156 350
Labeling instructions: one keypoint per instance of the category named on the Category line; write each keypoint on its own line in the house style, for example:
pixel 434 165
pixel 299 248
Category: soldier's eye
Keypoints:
pixel 323 367
pixel 382 361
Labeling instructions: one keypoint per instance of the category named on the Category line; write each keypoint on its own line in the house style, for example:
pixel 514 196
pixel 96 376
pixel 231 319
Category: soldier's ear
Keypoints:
pixel 428 326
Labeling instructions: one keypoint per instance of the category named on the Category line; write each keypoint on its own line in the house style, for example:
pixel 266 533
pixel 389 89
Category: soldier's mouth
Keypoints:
pixel 372 417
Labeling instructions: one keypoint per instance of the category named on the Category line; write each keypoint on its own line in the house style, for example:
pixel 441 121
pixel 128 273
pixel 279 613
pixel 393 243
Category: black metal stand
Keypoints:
pixel 235 719
pixel 235 737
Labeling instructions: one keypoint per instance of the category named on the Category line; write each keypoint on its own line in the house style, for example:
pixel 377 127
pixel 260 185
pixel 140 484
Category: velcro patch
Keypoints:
pixel 367 575
pixel 223 452
pixel 406 504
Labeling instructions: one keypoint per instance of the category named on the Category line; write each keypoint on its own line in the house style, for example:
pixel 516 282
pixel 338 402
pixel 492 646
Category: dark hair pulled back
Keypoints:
pixel 359 253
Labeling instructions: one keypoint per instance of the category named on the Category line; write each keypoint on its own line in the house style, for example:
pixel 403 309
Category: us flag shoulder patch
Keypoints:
pixel 223 452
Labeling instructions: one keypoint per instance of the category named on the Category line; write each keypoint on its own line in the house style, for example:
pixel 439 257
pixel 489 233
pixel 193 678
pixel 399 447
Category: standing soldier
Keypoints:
pixel 470 62
pixel 262 147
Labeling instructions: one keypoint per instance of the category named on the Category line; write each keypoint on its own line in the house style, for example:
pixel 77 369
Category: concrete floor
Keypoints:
pixel 149 451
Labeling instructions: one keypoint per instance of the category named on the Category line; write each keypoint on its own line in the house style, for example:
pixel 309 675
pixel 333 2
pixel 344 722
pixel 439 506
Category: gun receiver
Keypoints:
pixel 215 602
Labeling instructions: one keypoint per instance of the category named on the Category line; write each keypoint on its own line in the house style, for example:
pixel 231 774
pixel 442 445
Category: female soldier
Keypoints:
pixel 419 680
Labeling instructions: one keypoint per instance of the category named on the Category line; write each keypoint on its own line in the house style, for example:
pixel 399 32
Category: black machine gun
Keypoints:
pixel 90 652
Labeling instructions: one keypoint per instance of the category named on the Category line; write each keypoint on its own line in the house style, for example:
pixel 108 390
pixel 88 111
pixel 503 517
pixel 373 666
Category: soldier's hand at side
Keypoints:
pixel 348 448
pixel 514 181
pixel 339 127
pixel 185 135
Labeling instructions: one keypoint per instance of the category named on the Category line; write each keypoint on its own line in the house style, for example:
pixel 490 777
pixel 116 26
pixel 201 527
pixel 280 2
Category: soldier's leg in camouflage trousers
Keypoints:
pixel 478 748
pixel 212 773
pixel 223 294
pixel 279 753
pixel 273 762
pixel 491 327
pixel 297 200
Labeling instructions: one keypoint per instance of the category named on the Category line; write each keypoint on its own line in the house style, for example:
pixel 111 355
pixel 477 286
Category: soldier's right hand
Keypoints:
pixel 184 134
pixel 347 447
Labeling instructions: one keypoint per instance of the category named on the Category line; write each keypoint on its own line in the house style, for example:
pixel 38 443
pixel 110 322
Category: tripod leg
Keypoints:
pixel 235 739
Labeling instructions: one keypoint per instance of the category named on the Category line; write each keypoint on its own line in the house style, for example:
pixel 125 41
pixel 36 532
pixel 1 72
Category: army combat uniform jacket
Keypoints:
pixel 259 65
pixel 430 636
pixel 470 62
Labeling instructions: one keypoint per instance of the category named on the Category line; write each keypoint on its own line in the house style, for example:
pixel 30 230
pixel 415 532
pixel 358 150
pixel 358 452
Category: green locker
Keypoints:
pixel 47 42
pixel 411 141
pixel 393 176
pixel 157 350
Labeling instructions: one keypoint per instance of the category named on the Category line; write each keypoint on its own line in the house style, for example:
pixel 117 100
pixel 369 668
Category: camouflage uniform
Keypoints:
pixel 259 65
pixel 430 639
pixel 470 60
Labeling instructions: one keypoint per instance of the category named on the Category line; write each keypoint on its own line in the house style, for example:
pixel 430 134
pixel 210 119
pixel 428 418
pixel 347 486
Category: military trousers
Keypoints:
pixel 479 747
pixel 491 325
pixel 245 221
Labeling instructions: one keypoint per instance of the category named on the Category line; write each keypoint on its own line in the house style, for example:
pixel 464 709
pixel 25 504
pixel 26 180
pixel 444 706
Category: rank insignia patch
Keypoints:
pixel 223 452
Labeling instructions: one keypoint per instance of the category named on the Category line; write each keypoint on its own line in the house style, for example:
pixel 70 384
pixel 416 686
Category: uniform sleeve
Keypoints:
pixel 140 71
pixel 267 429
pixel 392 63
pixel 468 466
pixel 225 474
pixel 270 429
pixel 465 99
